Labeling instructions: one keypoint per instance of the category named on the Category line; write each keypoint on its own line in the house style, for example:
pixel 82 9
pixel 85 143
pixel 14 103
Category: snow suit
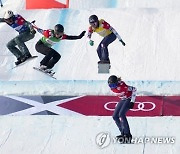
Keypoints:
pixel 127 95
pixel 26 33
pixel 44 45
pixel 109 35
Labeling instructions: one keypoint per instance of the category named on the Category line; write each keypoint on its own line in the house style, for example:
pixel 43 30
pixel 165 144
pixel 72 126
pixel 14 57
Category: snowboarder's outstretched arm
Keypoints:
pixel 68 37
pixel 41 31
pixel 2 20
pixel 47 34
pixel 108 26
pixel 117 35
pixel 29 24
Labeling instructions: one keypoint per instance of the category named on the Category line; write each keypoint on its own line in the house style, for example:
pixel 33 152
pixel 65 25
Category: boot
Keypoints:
pixel 28 56
pixel 120 139
pixel 43 67
pixel 124 139
pixel 127 138
pixel 25 57
pixel 20 60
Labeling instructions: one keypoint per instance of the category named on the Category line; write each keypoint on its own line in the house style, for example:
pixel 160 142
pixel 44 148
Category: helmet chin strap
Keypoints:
pixel 98 24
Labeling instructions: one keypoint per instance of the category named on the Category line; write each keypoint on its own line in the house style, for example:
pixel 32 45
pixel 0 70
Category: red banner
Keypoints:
pixel 171 106
pixel 105 105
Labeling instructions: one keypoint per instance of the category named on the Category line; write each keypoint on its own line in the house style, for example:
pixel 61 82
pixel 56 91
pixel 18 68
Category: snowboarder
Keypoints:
pixel 127 95
pixel 26 33
pixel 108 33
pixel 51 37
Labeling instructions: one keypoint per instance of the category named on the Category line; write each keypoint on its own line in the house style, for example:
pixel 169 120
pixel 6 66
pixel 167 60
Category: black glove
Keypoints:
pixel 82 34
pixel 33 31
pixel 131 105
pixel 122 42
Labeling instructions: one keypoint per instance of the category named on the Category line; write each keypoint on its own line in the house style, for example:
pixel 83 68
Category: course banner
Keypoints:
pixel 87 105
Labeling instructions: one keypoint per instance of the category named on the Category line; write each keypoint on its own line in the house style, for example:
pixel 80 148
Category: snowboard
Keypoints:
pixel 122 140
pixel 27 60
pixel 103 67
pixel 49 74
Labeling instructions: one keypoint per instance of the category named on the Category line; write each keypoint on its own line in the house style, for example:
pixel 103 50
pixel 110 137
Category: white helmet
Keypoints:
pixel 8 14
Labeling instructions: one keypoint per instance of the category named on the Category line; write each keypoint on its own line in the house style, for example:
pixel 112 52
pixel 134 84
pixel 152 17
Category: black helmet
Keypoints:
pixel 58 29
pixel 93 18
pixel 112 79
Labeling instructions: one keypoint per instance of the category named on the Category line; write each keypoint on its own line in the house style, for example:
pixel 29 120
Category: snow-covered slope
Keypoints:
pixel 150 58
pixel 151 53
pixel 78 135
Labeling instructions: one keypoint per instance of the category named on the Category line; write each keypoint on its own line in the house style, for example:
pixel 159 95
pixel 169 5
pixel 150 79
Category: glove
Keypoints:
pixel 40 30
pixel 82 34
pixel 122 42
pixel 33 32
pixel 131 105
pixel 91 42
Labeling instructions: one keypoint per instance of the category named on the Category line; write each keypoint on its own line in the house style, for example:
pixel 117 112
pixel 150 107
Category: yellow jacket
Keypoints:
pixel 102 30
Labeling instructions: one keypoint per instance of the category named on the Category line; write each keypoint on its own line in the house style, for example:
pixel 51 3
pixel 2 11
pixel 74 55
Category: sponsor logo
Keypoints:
pixel 141 106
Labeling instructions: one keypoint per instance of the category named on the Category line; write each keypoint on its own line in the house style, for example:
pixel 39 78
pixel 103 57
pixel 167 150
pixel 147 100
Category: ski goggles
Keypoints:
pixel 93 23
pixel 58 33
pixel 113 85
